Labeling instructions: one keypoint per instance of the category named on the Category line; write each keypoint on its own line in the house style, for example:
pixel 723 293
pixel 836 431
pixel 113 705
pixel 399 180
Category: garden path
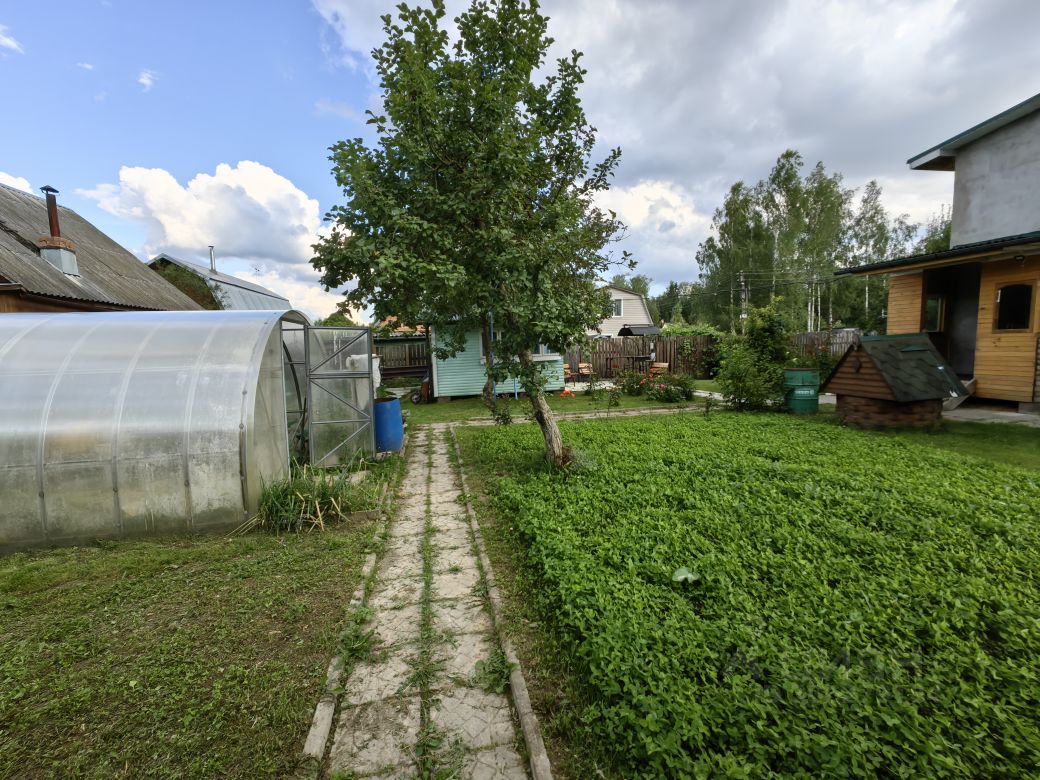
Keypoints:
pixel 428 700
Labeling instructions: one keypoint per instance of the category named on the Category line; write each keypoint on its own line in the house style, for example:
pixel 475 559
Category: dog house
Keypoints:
pixel 893 381
pixel 120 424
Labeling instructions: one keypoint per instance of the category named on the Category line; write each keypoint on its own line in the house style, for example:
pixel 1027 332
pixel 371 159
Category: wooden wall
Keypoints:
pixel 15 302
pixel 857 376
pixel 905 302
pixel 1006 361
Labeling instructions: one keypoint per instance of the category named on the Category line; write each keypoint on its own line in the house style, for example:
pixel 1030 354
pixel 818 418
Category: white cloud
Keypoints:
pixel 85 65
pixel 8 41
pixel 17 182
pixel 247 211
pixel 147 78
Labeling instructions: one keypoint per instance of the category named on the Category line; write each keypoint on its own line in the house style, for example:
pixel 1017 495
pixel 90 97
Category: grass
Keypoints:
pixel 198 657
pixel 1015 445
pixel 857 594
pixel 463 409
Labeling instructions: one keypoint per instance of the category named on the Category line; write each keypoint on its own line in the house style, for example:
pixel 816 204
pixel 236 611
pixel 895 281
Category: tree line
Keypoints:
pixel 781 240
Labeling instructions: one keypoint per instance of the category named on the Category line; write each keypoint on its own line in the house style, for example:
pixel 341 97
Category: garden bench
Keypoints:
pixel 658 369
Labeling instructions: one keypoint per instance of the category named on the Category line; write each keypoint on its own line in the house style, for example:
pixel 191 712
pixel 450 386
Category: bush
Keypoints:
pixel 630 382
pixel 670 388
pixel 747 382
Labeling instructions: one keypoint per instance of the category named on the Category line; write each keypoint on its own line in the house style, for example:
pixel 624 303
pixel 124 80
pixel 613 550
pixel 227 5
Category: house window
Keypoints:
pixel 1014 307
pixel 934 313
pixel 617 307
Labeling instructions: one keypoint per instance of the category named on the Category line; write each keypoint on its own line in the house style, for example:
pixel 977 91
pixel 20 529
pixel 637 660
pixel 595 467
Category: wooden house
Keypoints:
pixel 979 300
pixel 53 260
pixel 466 373
pixel 893 381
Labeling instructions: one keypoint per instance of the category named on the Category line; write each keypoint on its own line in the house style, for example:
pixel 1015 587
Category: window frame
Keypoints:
pixel 619 307
pixel 941 327
pixel 1030 306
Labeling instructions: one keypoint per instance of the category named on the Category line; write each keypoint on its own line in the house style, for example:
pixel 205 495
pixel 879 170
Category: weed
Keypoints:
pixel 492 674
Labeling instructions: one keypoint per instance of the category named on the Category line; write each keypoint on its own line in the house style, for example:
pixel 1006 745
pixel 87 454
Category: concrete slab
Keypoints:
pixel 461 654
pixel 397 627
pixel 479 719
pixel 498 763
pixel 461 616
pixel 376 737
pixel 394 594
pixel 454 584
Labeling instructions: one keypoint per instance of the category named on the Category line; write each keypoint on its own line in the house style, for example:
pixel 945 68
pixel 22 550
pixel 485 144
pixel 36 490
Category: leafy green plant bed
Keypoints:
pixel 173 658
pixel 750 595
pixel 463 409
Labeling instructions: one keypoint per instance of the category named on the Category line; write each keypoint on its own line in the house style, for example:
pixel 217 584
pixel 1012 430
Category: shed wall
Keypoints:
pixel 464 374
pixel 1005 361
pixel 905 298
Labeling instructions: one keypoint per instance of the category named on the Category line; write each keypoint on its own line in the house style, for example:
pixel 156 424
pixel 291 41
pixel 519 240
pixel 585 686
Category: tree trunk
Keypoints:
pixel 543 415
pixel 489 387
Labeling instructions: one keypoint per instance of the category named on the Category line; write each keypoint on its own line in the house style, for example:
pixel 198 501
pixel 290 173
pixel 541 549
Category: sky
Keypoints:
pixel 175 125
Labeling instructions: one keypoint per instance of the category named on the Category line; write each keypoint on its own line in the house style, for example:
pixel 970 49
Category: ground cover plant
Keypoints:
pixel 172 658
pixel 465 409
pixel 748 595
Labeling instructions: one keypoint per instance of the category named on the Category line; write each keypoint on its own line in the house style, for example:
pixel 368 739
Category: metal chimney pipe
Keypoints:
pixel 212 260
pixel 52 210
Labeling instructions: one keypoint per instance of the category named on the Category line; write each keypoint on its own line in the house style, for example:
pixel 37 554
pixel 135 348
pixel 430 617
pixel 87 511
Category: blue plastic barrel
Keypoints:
pixel 389 424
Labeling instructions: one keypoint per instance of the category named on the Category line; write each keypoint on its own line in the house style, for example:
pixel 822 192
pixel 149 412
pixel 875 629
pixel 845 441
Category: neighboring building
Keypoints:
pixel 465 374
pixel 629 309
pixel 53 260
pixel 979 301
pixel 226 291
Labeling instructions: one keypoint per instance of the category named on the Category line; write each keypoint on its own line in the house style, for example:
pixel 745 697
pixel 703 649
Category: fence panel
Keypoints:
pixel 834 341
pixel 402 357
pixel 683 354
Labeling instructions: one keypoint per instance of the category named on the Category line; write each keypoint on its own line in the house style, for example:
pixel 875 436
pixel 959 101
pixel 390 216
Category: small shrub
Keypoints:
pixel 310 499
pixel 614 397
pixel 747 381
pixel 670 388
pixel 630 382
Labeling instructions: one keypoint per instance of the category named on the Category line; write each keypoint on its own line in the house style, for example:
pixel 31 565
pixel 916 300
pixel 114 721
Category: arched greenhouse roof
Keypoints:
pixel 132 423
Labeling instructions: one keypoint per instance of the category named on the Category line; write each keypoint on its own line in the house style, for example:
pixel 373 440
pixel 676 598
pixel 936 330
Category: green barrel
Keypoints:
pixel 803 390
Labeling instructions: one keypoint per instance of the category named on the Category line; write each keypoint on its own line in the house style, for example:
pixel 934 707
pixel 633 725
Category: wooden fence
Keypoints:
pixel 402 356
pixel 696 355
pixel 684 354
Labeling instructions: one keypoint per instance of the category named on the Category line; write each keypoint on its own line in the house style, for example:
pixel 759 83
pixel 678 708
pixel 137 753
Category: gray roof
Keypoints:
pixel 109 274
pixel 238 293
pixel 941 156
pixel 911 366
pixel 1010 246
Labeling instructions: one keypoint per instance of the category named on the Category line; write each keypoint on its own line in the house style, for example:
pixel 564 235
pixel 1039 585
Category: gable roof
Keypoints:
pixel 910 365
pixel 941 156
pixel 240 294
pixel 109 274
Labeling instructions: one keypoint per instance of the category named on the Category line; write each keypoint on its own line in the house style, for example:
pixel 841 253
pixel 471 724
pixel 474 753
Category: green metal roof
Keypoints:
pixel 912 367
pixel 941 156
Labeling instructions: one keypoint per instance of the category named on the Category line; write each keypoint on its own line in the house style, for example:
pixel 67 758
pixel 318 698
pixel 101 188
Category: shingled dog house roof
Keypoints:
pixel 908 365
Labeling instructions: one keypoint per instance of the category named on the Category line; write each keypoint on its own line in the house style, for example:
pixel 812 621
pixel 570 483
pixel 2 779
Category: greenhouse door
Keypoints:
pixel 339 394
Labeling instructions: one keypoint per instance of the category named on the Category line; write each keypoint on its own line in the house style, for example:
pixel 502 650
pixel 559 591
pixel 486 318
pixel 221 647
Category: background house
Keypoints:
pixel 218 290
pixel 53 260
pixel 465 374
pixel 629 309
pixel 979 301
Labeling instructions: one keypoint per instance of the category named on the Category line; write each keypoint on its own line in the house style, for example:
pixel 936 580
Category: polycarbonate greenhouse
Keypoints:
pixel 119 424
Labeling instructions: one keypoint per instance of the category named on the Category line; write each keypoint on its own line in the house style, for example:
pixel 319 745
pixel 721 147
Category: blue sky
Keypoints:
pixel 173 125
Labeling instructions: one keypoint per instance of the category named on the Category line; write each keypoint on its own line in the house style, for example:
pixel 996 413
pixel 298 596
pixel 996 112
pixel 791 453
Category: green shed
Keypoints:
pixel 464 374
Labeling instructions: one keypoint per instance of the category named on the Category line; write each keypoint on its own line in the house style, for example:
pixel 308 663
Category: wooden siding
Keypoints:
pixel 633 312
pixel 464 374
pixel 857 375
pixel 1006 361
pixel 16 302
pixel 905 299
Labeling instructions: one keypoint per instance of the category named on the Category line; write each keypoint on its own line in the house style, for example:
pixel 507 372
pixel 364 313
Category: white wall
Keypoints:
pixel 996 188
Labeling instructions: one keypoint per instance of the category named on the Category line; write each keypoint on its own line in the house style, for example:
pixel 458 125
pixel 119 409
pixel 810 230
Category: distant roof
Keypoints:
pixel 910 365
pixel 1022 243
pixel 109 274
pixel 639 330
pixel 619 287
pixel 241 295
pixel 941 156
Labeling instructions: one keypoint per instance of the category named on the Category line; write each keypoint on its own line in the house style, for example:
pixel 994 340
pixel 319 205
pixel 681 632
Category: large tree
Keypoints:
pixel 476 205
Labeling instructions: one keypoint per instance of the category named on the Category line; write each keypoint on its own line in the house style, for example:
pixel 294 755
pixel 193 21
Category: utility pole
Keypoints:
pixel 743 300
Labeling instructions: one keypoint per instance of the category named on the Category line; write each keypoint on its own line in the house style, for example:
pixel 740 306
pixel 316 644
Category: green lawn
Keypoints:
pixel 763 595
pixel 463 409
pixel 199 657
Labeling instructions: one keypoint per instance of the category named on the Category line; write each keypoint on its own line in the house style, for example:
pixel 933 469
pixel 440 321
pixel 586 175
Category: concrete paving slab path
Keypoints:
pixel 425 700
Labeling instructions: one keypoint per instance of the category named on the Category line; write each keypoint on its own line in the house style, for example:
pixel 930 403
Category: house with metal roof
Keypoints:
pixel 53 260
pixel 226 291
pixel 979 300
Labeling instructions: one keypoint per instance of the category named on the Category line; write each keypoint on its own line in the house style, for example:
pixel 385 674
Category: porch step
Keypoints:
pixel 952 403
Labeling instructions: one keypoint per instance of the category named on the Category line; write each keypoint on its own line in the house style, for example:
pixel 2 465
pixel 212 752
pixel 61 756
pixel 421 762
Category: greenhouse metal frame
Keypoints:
pixel 123 424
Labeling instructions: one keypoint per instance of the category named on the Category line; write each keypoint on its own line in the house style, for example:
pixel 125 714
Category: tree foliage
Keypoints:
pixel 784 237
pixel 476 203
